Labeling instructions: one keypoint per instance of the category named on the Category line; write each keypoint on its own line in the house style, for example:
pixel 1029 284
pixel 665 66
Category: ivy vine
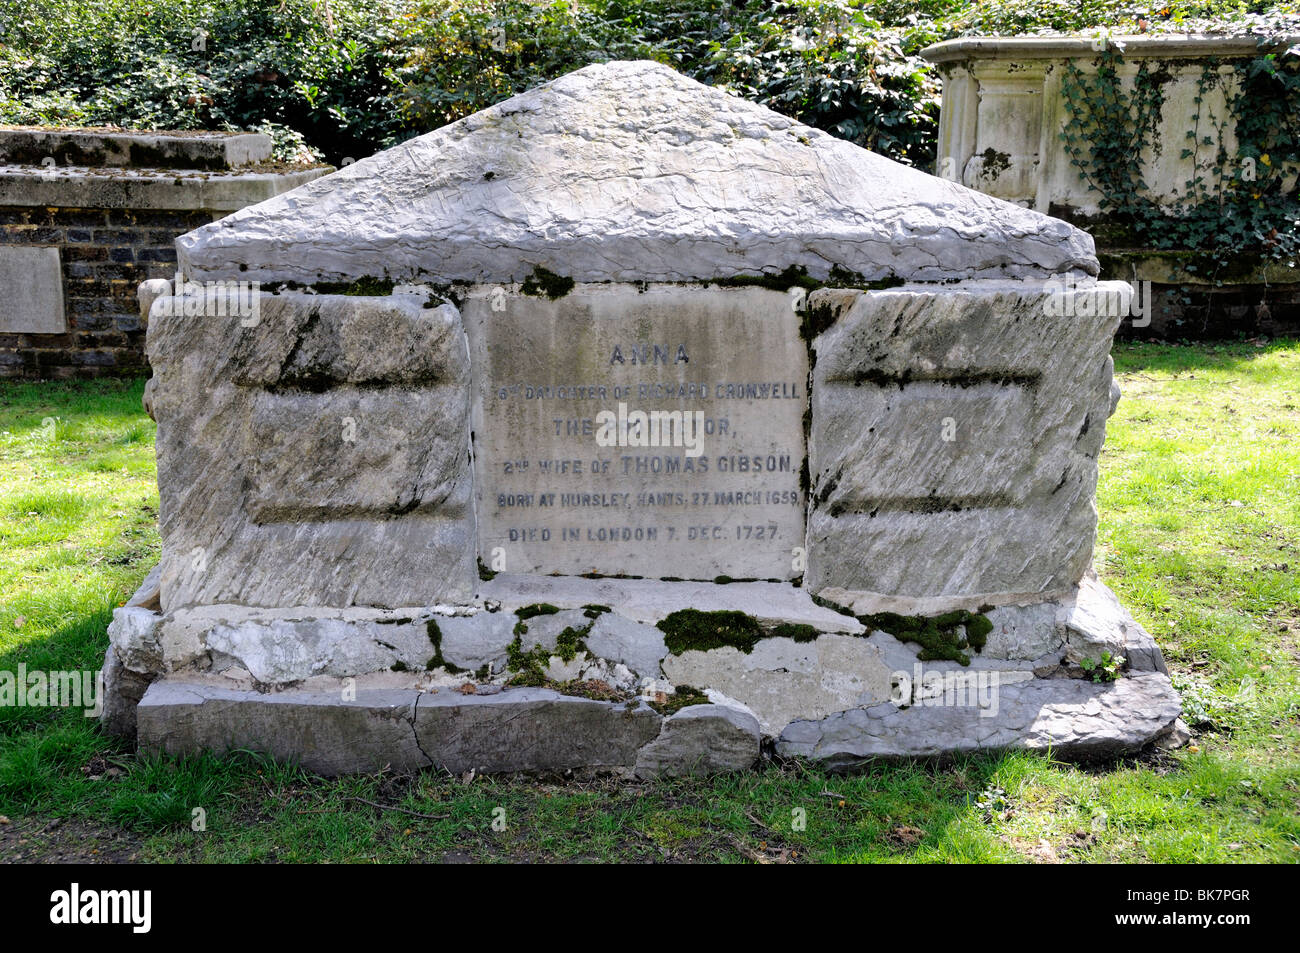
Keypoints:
pixel 1247 202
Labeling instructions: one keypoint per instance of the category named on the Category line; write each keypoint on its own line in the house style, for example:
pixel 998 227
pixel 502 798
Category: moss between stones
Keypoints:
pixel 530 666
pixel 693 630
pixel 569 642
pixel 594 688
pixel 792 277
pixel 833 606
pixel 484 573
pixel 688 629
pixel 796 276
pixel 798 632
pixel 592 610
pixel 816 320
pixel 683 696
pixel 536 609
pixel 366 287
pixel 942 637
pixel 436 660
pixel 545 282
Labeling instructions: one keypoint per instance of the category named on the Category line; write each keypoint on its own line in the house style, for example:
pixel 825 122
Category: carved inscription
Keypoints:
pixel 656 433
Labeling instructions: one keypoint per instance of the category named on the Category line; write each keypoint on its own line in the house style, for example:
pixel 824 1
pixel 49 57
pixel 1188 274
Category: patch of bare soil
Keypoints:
pixel 35 840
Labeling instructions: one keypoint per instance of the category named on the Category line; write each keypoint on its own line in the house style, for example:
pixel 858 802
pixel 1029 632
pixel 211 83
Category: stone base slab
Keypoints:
pixel 1069 717
pixel 533 730
pixel 358 689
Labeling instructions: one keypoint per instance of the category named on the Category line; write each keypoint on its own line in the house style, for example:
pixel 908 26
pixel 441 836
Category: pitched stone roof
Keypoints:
pixel 629 171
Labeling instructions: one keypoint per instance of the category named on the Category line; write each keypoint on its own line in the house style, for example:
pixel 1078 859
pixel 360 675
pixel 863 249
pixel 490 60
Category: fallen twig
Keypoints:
pixel 403 810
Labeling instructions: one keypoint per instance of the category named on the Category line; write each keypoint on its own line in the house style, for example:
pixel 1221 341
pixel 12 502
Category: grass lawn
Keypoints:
pixel 1200 536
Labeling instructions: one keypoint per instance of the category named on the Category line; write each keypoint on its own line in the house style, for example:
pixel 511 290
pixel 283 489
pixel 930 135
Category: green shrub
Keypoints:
pixel 302 70
pixel 823 62
pixel 346 77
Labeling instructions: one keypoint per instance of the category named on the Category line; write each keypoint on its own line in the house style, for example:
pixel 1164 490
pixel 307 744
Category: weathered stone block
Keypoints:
pixel 683 183
pixel 782 680
pixel 638 646
pixel 104 148
pixel 300 465
pixel 526 729
pixel 319 730
pixel 701 740
pixel 532 729
pixel 954 441
pixel 332 466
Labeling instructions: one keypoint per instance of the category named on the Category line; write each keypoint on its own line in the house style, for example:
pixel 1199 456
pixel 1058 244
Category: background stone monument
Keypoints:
pixel 620 426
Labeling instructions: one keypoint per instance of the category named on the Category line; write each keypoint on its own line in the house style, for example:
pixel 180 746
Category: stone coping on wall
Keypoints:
pixel 30 145
pixel 182 190
pixel 1069 47
pixel 1195 268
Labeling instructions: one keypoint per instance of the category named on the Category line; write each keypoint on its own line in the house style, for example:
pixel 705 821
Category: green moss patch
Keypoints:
pixel 569 642
pixel 543 282
pixel 688 629
pixel 530 666
pixel 536 609
pixel 792 277
pixel 368 287
pixel 436 660
pixel 942 637
pixel 798 632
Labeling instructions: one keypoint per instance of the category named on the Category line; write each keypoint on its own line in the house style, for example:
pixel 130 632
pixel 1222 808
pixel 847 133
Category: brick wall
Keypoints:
pixel 105 254
pixel 86 215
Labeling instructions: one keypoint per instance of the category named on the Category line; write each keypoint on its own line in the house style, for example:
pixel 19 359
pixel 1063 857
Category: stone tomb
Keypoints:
pixel 622 426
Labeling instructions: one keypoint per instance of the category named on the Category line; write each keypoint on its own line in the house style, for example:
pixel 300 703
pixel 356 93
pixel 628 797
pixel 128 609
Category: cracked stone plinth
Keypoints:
pixel 1072 717
pixel 701 740
pixel 522 729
